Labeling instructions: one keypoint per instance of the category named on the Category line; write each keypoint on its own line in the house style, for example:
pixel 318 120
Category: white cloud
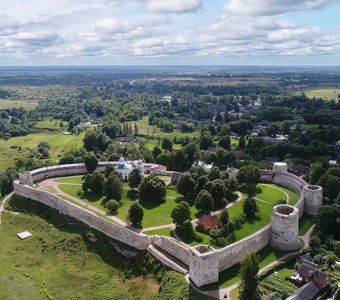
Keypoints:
pixel 173 6
pixel 272 7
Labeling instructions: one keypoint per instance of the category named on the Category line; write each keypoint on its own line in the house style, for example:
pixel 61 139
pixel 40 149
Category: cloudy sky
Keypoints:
pixel 153 32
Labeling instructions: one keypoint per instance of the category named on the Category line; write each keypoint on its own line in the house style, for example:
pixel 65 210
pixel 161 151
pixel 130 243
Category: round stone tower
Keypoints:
pixel 313 199
pixel 284 227
pixel 280 167
pixel 25 178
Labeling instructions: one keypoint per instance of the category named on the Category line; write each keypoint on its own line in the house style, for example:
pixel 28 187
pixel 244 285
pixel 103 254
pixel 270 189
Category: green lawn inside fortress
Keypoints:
pixel 160 214
pixel 154 214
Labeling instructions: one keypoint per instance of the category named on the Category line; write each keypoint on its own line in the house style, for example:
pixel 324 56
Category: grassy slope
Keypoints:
pixel 58 142
pixel 60 256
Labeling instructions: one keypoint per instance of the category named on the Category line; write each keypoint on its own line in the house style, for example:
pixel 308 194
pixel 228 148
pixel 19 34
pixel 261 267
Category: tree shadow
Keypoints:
pixel 132 195
pixel 151 205
pixel 90 197
pixel 253 220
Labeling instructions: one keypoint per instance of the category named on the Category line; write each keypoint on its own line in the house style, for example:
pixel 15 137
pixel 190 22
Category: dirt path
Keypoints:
pixel 306 237
pixel 2 204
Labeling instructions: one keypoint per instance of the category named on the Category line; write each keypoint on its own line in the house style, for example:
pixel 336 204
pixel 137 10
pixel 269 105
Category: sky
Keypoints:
pixel 169 32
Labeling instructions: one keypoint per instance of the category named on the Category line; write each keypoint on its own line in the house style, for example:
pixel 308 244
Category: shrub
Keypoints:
pixel 214 233
pixel 112 205
pixel 200 228
pixel 224 217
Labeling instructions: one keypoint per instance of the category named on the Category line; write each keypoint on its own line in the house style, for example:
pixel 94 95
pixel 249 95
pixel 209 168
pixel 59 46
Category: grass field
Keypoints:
pixel 58 261
pixel 71 179
pixel 5 104
pixel 163 231
pixel 272 195
pixel 10 151
pixel 145 129
pixel 325 94
pixel 49 124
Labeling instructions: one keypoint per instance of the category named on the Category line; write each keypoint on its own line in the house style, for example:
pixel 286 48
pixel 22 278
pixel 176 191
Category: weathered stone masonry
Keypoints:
pixel 204 263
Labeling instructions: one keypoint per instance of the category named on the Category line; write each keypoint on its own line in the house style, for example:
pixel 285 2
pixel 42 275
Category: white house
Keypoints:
pixel 199 163
pixel 123 168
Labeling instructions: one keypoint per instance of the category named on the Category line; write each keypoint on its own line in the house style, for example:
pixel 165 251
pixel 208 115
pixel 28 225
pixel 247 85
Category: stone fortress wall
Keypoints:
pixel 204 263
pixel 139 241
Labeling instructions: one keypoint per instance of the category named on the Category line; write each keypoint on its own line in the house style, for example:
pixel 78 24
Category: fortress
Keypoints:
pixel 202 262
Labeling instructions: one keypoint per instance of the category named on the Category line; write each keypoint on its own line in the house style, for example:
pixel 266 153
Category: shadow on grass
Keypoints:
pixel 185 239
pixel 90 197
pixel 258 190
pixel 253 220
pixel 132 194
pixel 227 278
pixel 151 205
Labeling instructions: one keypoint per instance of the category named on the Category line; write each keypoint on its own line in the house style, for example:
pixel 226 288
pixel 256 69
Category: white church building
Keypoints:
pixel 125 168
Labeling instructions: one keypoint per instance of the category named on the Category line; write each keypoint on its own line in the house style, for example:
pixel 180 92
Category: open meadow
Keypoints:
pixel 19 147
pixel 324 93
